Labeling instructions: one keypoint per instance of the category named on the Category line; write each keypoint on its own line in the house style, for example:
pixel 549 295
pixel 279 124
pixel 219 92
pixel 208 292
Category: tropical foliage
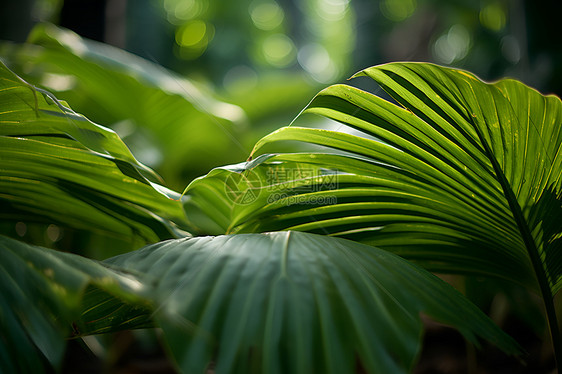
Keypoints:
pixel 109 85
pixel 461 177
pixel 459 163
pixel 466 174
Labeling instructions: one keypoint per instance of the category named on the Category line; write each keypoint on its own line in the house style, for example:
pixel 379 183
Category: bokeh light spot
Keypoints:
pixel 267 16
pixel 192 33
pixel 184 10
pixel 453 45
pixel 54 233
pixel 279 50
pixel 398 10
pixel 193 38
pixel 492 16
pixel 332 10
pixel 180 11
pixel 316 61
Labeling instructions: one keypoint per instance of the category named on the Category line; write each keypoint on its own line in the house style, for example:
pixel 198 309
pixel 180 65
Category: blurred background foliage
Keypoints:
pixel 203 80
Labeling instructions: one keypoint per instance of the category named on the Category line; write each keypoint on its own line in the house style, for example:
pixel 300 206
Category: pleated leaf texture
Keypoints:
pixel 460 175
pixel 293 302
pixel 59 167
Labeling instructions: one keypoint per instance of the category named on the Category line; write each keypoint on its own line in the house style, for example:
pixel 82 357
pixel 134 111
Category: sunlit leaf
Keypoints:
pixel 58 167
pixel 463 177
pixel 169 120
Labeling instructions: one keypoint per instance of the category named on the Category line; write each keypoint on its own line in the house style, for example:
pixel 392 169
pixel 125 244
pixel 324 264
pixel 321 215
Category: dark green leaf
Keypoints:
pixel 43 300
pixel 291 302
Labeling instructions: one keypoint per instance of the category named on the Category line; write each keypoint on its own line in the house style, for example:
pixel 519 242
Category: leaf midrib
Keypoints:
pixel 530 245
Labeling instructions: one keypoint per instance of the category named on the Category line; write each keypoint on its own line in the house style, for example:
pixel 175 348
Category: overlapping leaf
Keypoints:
pixel 44 299
pixel 181 121
pixel 465 177
pixel 293 302
pixel 58 167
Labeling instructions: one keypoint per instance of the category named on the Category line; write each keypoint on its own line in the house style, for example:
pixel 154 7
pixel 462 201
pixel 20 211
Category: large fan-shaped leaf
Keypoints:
pixel 57 166
pixel 46 296
pixel 464 177
pixel 292 302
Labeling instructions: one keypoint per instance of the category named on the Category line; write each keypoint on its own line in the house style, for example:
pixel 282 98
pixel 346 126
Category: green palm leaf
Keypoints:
pixel 58 167
pixel 437 175
pixel 292 302
pixel 464 176
pixel 45 296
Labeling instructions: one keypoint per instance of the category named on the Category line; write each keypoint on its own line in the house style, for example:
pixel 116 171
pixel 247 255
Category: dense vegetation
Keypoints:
pixel 323 250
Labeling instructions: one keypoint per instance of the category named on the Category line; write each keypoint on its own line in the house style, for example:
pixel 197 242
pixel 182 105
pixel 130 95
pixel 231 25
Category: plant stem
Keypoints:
pixel 540 273
pixel 532 251
pixel 554 331
pixel 538 267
